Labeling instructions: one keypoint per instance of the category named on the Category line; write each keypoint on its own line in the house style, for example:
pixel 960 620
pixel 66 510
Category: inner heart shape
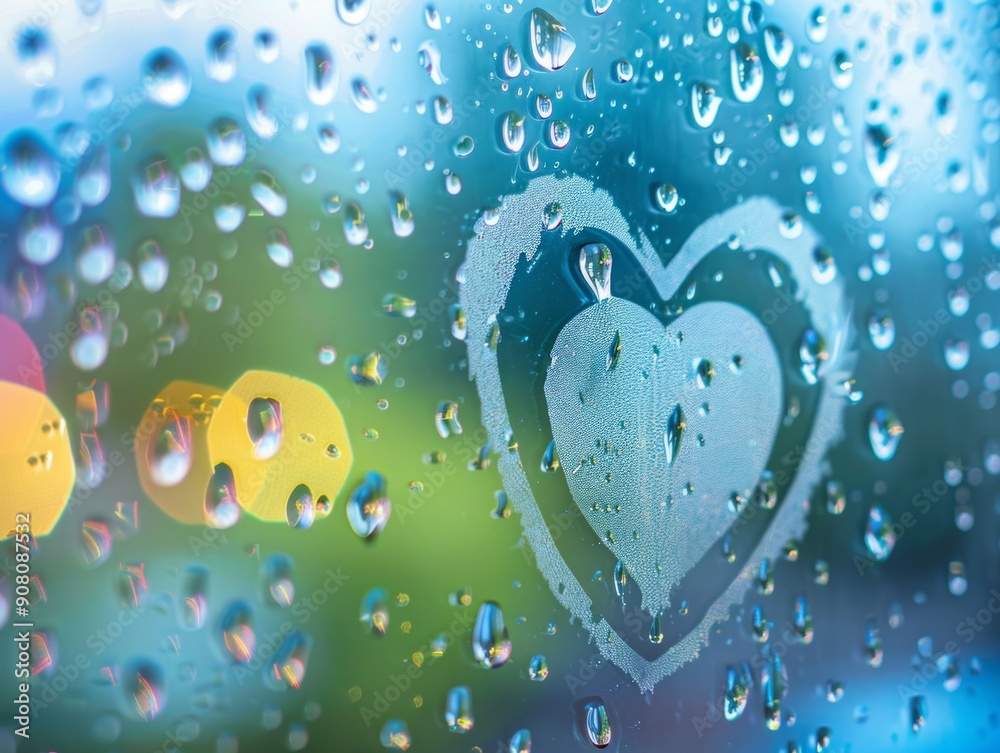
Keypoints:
pixel 663 432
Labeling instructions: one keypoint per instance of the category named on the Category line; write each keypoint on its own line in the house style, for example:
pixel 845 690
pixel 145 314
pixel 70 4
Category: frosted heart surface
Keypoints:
pixel 616 380
pixel 661 514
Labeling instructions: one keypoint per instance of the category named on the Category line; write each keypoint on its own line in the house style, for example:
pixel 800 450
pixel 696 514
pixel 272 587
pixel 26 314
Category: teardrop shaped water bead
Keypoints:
pixel 551 45
pixel 145 687
pixel 368 508
pixel 277 577
pixel 704 104
pixel 737 692
pixel 550 458
pixel 287 670
pixel 171 453
pixel 353 12
pixel 300 511
pixel 165 78
pixel 264 427
pixel 260 111
pixel 321 74
pixel 222 507
pixel 595 265
pixel 674 433
pixel 512 132
pixel 520 742
pixel 220 55
pixel 458 709
pixel 375 611
pixel 884 432
pixel 588 87
pixel 30 174
pixel 238 635
pixel 882 330
pixel 538 669
pixel 882 155
pixel 773 688
pixel 746 73
pixel 597 724
pixel 92 182
pixel 157 188
pixel 778 46
pixel 880 539
pixel 36 52
pixel 812 355
pixel 193 601
pixel 267 192
pixel 491 646
pixel 227 144
pixel 39 236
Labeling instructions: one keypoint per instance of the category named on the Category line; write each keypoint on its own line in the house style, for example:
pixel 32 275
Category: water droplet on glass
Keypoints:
pixel 491 646
pixel 375 611
pixel 30 175
pixel 321 74
pixel 746 73
pixel 157 188
pixel 300 511
pixel 222 507
pixel 597 724
pixel 673 434
pixel 884 432
pixel 458 709
pixel 595 264
pixel 368 508
pixel 166 78
pixel 704 104
pixel 551 45
pixel 879 535
pixel 238 636
pixel 264 427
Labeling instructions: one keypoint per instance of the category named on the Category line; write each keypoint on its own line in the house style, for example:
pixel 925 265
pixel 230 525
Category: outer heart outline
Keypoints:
pixel 491 261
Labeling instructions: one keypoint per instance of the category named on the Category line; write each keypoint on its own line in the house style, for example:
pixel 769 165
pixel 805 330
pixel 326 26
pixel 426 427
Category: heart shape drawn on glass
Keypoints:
pixel 685 408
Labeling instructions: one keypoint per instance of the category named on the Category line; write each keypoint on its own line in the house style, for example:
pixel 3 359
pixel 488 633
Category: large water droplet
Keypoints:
pixel 746 73
pixel 368 508
pixel 238 635
pixel 157 188
pixel 166 78
pixel 144 685
pixel 812 355
pixel 353 12
pixel 264 426
pixel 738 683
pixel 220 55
pixel 597 724
pixel 267 192
pixel 193 598
pixel 491 646
pixel 879 535
pixel 288 668
pixel 595 264
pixel 222 507
pixel 458 709
pixel 321 74
pixel 674 433
pixel 227 144
pixel 29 173
pixel 551 45
pixel 37 54
pixel 884 432
pixel 171 454
pixel 375 611
pixel 300 511
pixel 92 182
pixel 704 104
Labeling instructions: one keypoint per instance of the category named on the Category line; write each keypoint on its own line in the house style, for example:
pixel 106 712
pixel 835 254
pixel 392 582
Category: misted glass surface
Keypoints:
pixel 500 377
